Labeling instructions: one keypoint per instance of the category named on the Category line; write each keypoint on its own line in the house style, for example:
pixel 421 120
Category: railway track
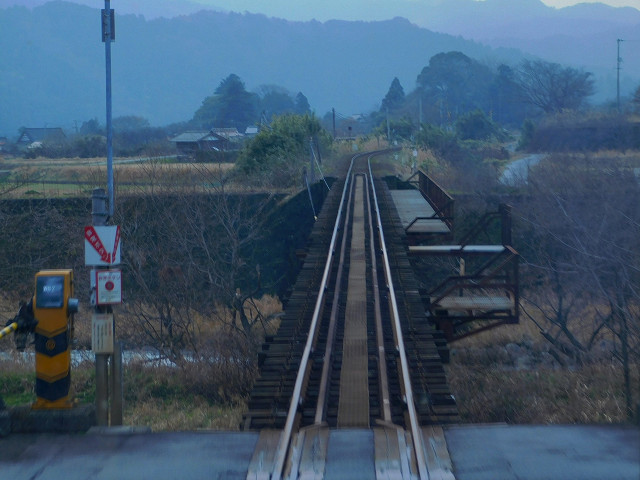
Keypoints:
pixel 354 349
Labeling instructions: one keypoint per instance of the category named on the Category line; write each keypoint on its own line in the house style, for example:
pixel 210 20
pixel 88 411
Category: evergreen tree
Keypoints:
pixel 302 106
pixel 230 106
pixel 394 100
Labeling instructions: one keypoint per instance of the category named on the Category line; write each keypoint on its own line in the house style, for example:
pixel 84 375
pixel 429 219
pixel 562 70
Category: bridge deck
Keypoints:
pixel 411 205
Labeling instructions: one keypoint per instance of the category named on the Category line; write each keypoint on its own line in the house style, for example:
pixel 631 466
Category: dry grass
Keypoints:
pixel 207 394
pixel 194 414
pixel 492 385
pixel 491 393
pixel 164 400
pixel 46 178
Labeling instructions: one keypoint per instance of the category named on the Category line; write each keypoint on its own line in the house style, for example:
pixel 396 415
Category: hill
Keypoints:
pixel 163 67
pixel 53 62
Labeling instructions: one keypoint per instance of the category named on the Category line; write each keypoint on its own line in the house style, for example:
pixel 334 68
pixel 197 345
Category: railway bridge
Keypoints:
pixel 353 385
pixel 361 347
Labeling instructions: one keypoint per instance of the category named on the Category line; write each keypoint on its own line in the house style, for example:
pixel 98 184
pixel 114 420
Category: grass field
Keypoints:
pixel 73 177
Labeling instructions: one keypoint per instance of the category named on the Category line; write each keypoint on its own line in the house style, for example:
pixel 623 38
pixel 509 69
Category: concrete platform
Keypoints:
pixel 411 205
pixel 478 452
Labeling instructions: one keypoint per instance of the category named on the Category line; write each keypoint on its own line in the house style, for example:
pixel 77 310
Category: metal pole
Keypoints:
pixel 312 172
pixel 619 61
pixel 99 218
pixel 102 389
pixel 333 110
pixel 107 36
pixel 117 398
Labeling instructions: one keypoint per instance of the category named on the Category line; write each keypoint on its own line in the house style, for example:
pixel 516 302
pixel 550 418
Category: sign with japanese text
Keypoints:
pixel 102 333
pixel 108 287
pixel 102 245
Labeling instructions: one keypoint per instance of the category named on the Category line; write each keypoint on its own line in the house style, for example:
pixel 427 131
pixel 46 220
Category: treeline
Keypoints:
pixel 132 136
pixel 230 106
pixel 580 133
pixel 453 84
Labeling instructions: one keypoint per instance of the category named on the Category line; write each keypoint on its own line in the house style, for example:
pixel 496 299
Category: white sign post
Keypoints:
pixel 108 287
pixel 102 245
pixel 102 333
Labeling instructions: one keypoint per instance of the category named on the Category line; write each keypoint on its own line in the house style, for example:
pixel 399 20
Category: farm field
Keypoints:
pixel 73 177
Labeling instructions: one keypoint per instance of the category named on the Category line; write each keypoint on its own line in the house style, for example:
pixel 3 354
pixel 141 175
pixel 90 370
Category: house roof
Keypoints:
pixel 190 137
pixel 30 135
pixel 226 132
pixel 213 135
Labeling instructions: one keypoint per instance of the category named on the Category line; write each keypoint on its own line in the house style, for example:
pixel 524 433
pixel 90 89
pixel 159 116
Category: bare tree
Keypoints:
pixel 583 222
pixel 190 253
pixel 552 87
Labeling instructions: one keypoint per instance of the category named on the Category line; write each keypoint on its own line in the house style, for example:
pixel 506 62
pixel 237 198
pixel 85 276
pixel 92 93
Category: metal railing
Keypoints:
pixel 442 203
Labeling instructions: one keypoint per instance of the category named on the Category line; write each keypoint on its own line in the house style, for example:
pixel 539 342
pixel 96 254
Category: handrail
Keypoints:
pixel 432 217
pixel 499 274
pixel 503 213
pixel 440 200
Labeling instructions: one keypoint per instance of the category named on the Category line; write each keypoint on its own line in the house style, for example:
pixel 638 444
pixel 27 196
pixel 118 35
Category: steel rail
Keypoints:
pixel 383 375
pixel 416 433
pixel 324 379
pixel 285 436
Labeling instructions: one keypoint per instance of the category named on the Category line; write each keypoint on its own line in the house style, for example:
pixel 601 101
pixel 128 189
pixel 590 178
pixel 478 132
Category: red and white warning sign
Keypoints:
pixel 102 245
pixel 108 287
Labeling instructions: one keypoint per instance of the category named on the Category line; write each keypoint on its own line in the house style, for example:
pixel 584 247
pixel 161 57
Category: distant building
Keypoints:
pixel 251 131
pixel 3 144
pixel 215 140
pixel 232 138
pixel 39 136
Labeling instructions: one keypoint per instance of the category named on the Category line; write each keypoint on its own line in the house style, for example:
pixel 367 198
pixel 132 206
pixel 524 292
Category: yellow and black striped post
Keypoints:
pixel 53 307
pixel 8 329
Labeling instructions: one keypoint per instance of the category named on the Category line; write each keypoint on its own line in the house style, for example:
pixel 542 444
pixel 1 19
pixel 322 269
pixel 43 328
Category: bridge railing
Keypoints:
pixel 441 202
pixel 486 288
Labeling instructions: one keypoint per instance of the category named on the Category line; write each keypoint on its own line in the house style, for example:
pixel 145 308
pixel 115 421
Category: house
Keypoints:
pixel 232 138
pixel 39 136
pixel 251 131
pixel 4 141
pixel 216 140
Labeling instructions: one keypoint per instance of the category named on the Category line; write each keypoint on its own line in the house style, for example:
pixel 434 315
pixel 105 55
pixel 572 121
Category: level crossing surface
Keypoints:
pixel 478 452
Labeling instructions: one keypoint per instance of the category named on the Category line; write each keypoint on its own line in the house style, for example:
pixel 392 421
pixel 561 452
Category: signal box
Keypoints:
pixel 53 308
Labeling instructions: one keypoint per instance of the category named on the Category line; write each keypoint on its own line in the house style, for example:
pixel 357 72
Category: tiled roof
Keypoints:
pixel 190 136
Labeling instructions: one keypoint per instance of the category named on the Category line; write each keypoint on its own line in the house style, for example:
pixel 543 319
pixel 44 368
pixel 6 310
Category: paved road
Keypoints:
pixel 489 452
pixel 517 172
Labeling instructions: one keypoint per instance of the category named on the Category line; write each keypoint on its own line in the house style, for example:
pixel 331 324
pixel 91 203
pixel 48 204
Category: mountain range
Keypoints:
pixel 169 55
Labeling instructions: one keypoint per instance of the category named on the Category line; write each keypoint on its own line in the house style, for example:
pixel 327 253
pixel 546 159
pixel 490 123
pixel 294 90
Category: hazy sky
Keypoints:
pixel 613 3
pixel 551 3
pixel 359 9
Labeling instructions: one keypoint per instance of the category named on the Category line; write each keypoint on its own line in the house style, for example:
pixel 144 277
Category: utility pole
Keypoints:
pixel 388 128
pixel 334 122
pixel 312 174
pixel 102 251
pixel 619 67
pixel 108 36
